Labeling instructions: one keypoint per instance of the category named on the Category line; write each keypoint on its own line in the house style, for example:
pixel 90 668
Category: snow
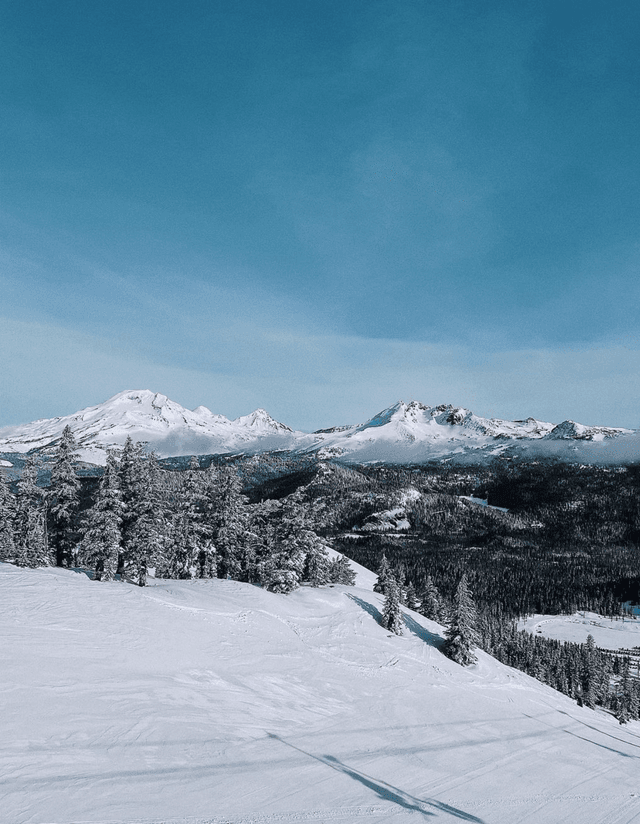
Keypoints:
pixel 608 633
pixel 203 702
pixel 394 519
pixel 5 463
pixel 482 502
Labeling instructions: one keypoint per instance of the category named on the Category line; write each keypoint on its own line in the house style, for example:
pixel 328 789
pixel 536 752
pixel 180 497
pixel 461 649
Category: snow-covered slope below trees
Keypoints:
pixel 215 701
pixel 402 433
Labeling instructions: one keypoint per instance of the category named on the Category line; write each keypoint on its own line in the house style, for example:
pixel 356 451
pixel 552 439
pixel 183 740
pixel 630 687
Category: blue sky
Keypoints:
pixel 320 208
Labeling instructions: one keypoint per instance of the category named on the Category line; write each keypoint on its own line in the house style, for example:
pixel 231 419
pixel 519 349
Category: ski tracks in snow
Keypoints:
pixel 627 811
pixel 345 814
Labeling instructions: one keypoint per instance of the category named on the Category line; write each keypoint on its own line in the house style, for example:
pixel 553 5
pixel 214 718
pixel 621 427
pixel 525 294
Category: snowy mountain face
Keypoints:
pixel 403 433
pixel 414 432
pixel 147 416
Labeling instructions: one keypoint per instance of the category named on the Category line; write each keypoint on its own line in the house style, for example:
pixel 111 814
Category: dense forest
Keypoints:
pixel 524 537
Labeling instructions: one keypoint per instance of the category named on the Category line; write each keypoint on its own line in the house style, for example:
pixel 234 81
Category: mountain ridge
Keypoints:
pixel 402 433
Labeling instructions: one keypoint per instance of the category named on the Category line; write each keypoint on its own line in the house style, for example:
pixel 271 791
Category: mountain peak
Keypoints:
pixel 137 396
pixel 260 419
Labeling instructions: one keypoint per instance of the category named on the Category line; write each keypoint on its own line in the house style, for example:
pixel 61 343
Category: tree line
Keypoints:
pixel 141 518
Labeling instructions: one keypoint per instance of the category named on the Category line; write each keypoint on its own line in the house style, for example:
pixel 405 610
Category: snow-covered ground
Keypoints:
pixel 608 633
pixel 218 702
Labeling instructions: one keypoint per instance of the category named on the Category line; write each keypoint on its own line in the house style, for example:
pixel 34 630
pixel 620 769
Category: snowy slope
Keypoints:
pixel 404 432
pixel 217 702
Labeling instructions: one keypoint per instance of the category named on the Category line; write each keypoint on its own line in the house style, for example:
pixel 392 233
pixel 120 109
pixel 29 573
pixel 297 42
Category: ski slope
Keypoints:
pixel 217 702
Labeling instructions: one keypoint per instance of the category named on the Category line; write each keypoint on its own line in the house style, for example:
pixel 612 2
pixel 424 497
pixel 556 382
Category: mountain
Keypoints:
pixel 147 416
pixel 217 702
pixel 403 433
pixel 414 432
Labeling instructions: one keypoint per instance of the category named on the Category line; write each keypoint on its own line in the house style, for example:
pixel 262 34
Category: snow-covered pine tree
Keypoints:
pixel 226 520
pixel 144 544
pixel 317 563
pixel 259 538
pixel 461 633
pixel 623 713
pixel 63 499
pixel 391 612
pixel 410 597
pixel 189 551
pixel 591 676
pixel 30 533
pixel 7 515
pixel 130 461
pixel 282 568
pixel 431 605
pixel 384 574
pixel 341 571
pixel 206 558
pixel 102 539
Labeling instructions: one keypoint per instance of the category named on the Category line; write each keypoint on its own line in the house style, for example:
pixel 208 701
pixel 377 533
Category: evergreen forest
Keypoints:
pixel 473 547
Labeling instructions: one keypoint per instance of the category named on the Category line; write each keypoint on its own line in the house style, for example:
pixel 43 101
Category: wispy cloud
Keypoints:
pixel 312 381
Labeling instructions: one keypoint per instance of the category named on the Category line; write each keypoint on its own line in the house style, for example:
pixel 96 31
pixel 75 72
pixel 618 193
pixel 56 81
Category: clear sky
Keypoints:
pixel 321 207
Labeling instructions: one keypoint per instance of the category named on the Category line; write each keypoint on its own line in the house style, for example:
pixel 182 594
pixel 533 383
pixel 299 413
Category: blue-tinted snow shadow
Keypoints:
pixel 422 633
pixel 427 806
pixel 366 606
pixel 411 624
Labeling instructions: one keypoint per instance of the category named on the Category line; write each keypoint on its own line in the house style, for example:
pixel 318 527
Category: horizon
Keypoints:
pixel 371 416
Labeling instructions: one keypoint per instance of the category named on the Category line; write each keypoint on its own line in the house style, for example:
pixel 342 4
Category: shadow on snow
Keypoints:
pixel 387 792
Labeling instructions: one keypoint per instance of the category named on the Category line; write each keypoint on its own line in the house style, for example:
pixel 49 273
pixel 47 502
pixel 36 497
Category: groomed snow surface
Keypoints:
pixel 218 702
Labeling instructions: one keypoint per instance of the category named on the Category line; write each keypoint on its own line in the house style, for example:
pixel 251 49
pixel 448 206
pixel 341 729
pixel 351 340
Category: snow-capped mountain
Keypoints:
pixel 416 432
pixel 412 432
pixel 147 416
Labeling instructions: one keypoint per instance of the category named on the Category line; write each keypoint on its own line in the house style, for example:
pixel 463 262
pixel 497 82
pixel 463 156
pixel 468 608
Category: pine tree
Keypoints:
pixel 102 540
pixel 63 499
pixel 341 571
pixel 461 634
pixel 410 597
pixel 190 552
pixel 282 567
pixel 143 545
pixel 623 713
pixel 30 534
pixel 130 483
pixel 391 613
pixel 590 673
pixel 317 564
pixel 226 520
pixel 7 516
pixel 384 575
pixel 431 605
